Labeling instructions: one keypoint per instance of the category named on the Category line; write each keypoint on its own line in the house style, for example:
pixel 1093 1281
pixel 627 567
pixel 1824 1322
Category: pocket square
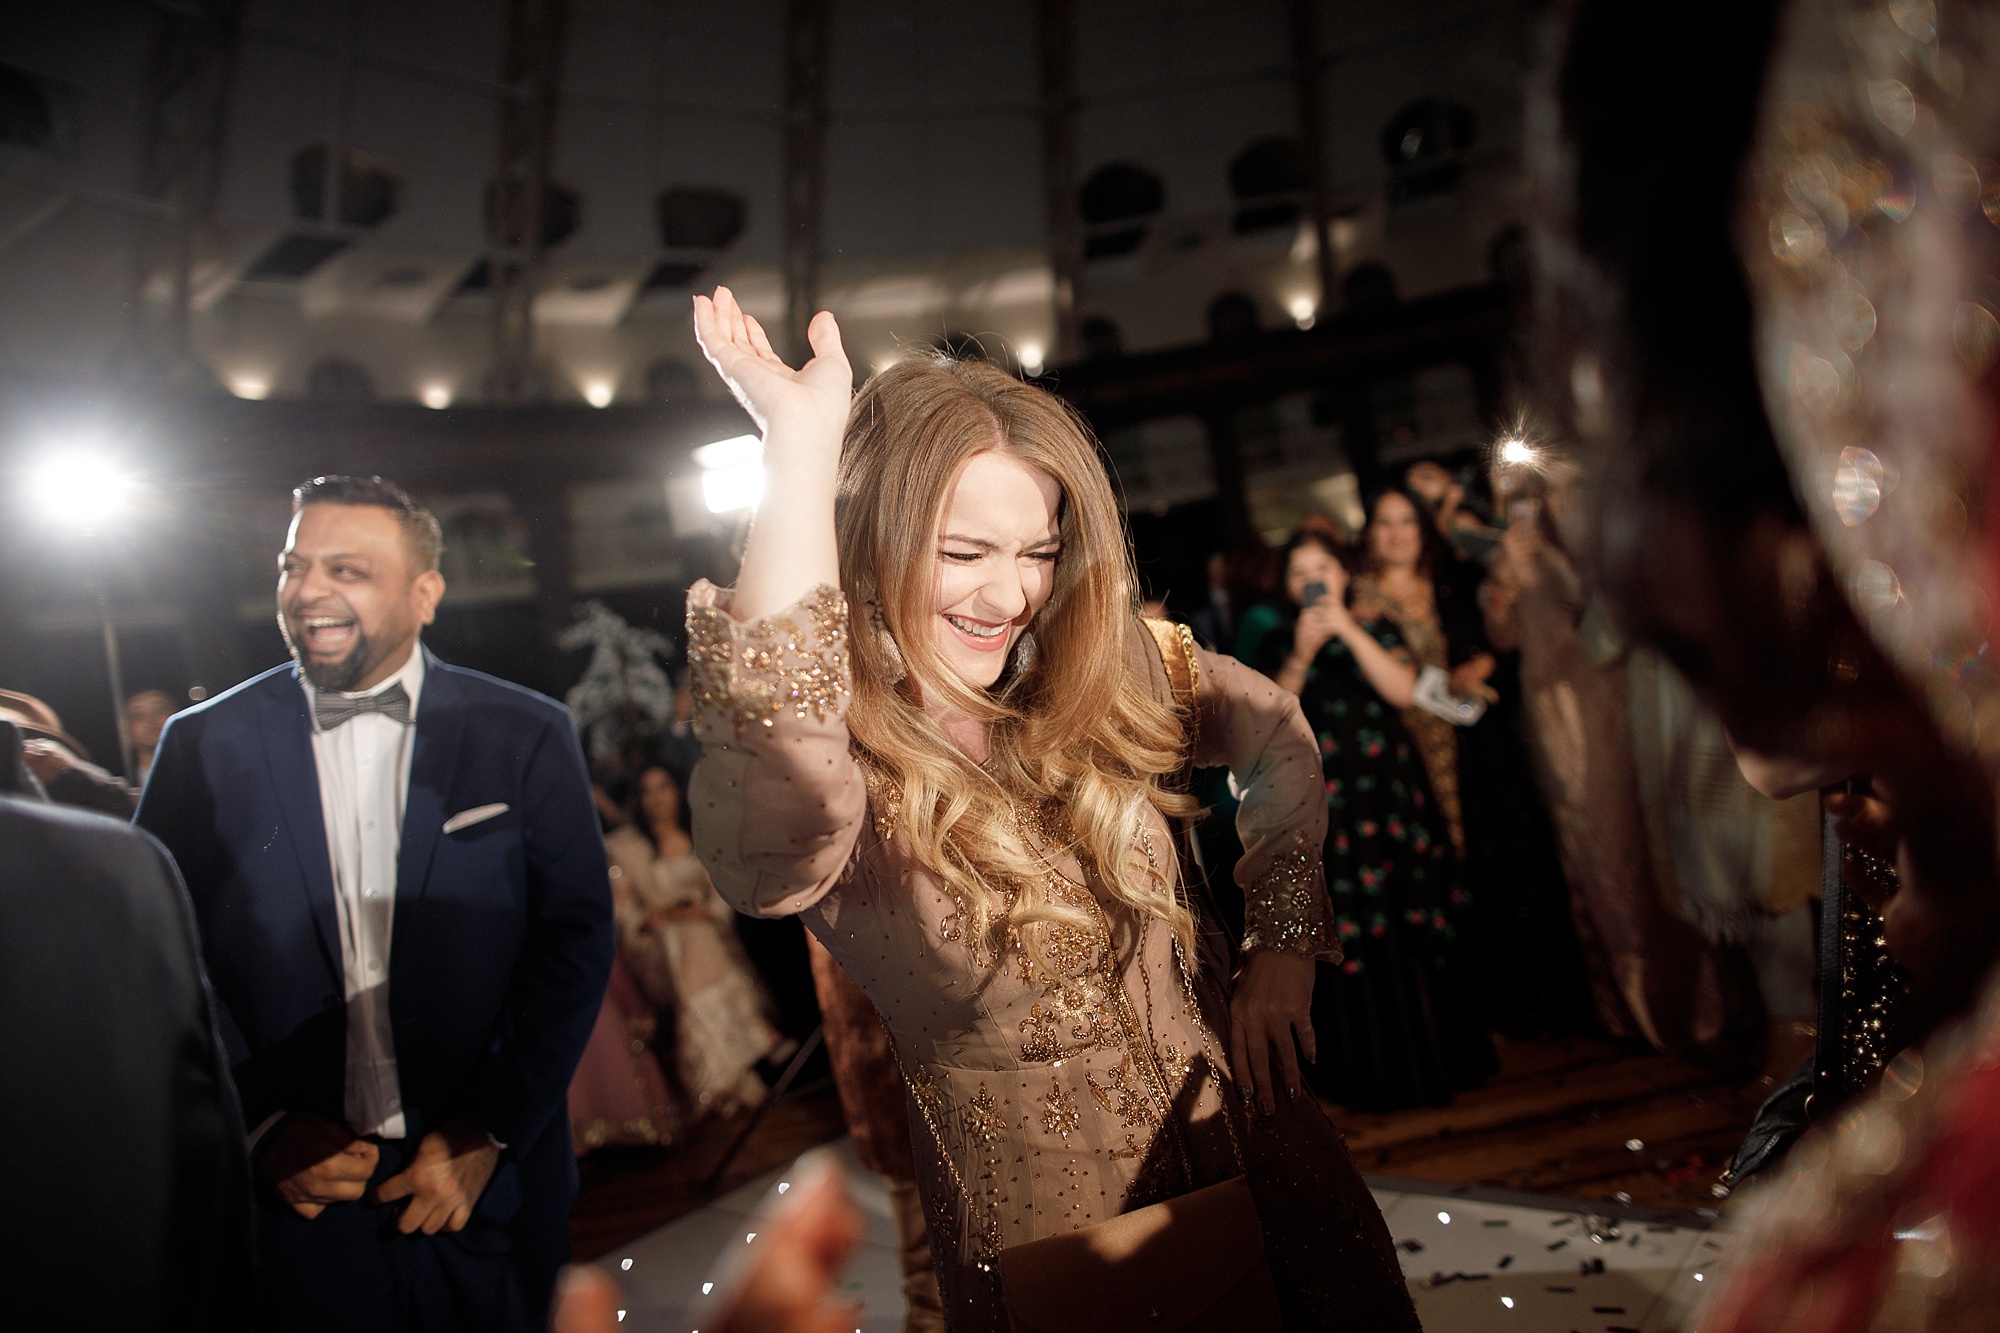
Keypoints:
pixel 477 814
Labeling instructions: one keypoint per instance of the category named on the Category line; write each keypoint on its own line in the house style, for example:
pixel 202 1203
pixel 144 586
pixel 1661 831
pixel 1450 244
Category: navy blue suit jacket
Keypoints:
pixel 503 934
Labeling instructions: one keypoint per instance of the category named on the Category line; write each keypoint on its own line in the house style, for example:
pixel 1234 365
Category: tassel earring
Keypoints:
pixel 1024 653
pixel 886 642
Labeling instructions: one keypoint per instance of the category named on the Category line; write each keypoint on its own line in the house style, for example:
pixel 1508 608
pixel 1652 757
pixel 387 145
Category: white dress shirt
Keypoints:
pixel 364 782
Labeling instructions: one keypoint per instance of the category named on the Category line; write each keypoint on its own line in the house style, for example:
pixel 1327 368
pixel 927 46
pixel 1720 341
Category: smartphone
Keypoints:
pixel 1315 593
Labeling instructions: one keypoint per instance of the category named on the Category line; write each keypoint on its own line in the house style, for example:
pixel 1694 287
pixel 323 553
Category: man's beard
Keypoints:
pixel 335 677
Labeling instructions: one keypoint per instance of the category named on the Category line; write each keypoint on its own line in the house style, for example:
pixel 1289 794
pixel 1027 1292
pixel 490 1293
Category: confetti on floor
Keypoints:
pixel 1476 1260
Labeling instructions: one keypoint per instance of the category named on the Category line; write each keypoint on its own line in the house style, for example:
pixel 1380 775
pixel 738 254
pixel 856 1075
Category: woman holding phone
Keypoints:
pixel 1397 1023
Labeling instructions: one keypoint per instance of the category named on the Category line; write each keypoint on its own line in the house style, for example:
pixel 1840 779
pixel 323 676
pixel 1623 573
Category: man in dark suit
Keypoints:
pixel 128 1193
pixel 406 913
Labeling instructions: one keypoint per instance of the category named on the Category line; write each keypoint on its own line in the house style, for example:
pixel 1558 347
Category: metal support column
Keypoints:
pixel 189 73
pixel 1306 60
pixel 807 24
pixel 1055 32
pixel 531 80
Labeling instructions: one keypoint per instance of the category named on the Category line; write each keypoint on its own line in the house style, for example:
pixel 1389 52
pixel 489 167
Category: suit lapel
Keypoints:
pixel 440 725
pixel 287 737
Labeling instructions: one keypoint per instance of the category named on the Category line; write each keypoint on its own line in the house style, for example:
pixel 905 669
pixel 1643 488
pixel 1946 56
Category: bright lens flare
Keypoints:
pixel 436 396
pixel 1516 452
pixel 732 473
pixel 80 490
pixel 598 393
pixel 1032 358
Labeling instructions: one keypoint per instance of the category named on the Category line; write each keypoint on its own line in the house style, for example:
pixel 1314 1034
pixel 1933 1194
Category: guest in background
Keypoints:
pixel 620 1097
pixel 677 937
pixel 1397 1021
pixel 60 762
pixel 127 1188
pixel 146 713
pixel 680 748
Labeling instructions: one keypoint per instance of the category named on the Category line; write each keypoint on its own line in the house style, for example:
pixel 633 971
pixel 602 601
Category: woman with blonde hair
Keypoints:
pixel 971 793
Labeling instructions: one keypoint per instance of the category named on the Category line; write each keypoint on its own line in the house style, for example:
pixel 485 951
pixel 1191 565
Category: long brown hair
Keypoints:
pixel 1075 725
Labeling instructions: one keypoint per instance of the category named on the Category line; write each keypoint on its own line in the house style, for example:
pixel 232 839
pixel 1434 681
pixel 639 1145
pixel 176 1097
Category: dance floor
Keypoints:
pixel 1572 1192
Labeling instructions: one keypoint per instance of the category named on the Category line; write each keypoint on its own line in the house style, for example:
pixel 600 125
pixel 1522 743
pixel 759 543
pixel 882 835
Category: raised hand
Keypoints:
pixel 808 402
pixel 803 414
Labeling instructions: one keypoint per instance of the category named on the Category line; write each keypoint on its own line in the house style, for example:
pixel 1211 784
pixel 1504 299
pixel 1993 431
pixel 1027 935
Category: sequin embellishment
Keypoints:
pixel 1286 910
pixel 751 673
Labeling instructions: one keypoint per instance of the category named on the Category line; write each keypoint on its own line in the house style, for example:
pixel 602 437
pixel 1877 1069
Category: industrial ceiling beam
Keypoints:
pixel 531 88
pixel 1312 142
pixel 807 24
pixel 1055 33
pixel 190 69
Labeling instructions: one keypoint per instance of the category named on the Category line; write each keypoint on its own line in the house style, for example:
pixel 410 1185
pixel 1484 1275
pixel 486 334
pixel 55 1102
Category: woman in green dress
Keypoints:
pixel 1397 1023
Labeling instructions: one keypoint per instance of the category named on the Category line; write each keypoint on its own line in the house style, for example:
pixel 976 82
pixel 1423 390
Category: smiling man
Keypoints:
pixel 406 914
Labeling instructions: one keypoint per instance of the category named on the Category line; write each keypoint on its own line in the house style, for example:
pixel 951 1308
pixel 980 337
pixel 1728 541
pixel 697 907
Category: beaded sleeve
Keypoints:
pixel 746 675
pixel 777 801
pixel 1257 730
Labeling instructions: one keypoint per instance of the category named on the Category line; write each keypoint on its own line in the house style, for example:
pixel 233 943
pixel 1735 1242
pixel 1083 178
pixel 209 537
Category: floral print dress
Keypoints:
pixel 1396 1020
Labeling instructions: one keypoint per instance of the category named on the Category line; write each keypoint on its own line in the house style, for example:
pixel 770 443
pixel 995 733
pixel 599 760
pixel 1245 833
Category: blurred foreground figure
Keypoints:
pixel 58 760
pixel 788 1283
pixel 1824 574
pixel 406 912
pixel 128 1195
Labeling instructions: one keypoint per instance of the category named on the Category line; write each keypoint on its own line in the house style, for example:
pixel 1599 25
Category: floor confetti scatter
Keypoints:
pixel 1476 1260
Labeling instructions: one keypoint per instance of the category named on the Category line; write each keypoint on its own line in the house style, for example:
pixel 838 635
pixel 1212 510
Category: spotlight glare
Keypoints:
pixel 1031 358
pixel 597 393
pixel 79 490
pixel 1303 310
pixel 732 473
pixel 254 387
pixel 436 395
pixel 1516 452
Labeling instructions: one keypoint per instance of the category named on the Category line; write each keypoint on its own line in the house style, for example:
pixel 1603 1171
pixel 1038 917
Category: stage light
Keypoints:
pixel 1516 452
pixel 598 393
pixel 1031 358
pixel 1303 310
pixel 732 473
pixel 436 395
pixel 80 490
pixel 253 387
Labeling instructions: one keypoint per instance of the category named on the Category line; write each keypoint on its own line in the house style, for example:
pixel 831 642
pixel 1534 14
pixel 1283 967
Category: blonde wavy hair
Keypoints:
pixel 1076 726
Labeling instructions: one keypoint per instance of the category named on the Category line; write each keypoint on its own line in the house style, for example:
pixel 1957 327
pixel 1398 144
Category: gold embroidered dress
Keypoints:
pixel 1057 1086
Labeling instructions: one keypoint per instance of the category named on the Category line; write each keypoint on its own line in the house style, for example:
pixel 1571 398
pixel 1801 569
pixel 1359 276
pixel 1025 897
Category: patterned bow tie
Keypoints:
pixel 330 710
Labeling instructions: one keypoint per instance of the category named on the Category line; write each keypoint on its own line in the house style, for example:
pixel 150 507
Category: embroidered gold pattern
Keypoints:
pixel 752 673
pixel 1175 1064
pixel 1069 964
pixel 1286 910
pixel 1123 1094
pixel 1060 1114
pixel 885 794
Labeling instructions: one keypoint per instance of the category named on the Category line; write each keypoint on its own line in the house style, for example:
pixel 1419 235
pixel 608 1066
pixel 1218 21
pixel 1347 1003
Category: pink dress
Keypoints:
pixel 1046 1095
pixel 619 1095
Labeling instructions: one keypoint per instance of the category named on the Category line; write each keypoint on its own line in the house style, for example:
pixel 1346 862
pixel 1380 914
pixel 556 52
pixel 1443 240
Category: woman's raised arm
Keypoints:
pixel 802 414
pixel 777 801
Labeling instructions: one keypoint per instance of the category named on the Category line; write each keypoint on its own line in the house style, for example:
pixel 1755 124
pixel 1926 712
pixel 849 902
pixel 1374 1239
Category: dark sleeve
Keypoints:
pixel 91 788
pixel 208 1248
pixel 564 965
pixel 1272 646
pixel 1457 593
pixel 174 807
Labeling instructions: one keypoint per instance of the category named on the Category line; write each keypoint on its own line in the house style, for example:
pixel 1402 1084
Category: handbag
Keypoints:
pixel 1194 1264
